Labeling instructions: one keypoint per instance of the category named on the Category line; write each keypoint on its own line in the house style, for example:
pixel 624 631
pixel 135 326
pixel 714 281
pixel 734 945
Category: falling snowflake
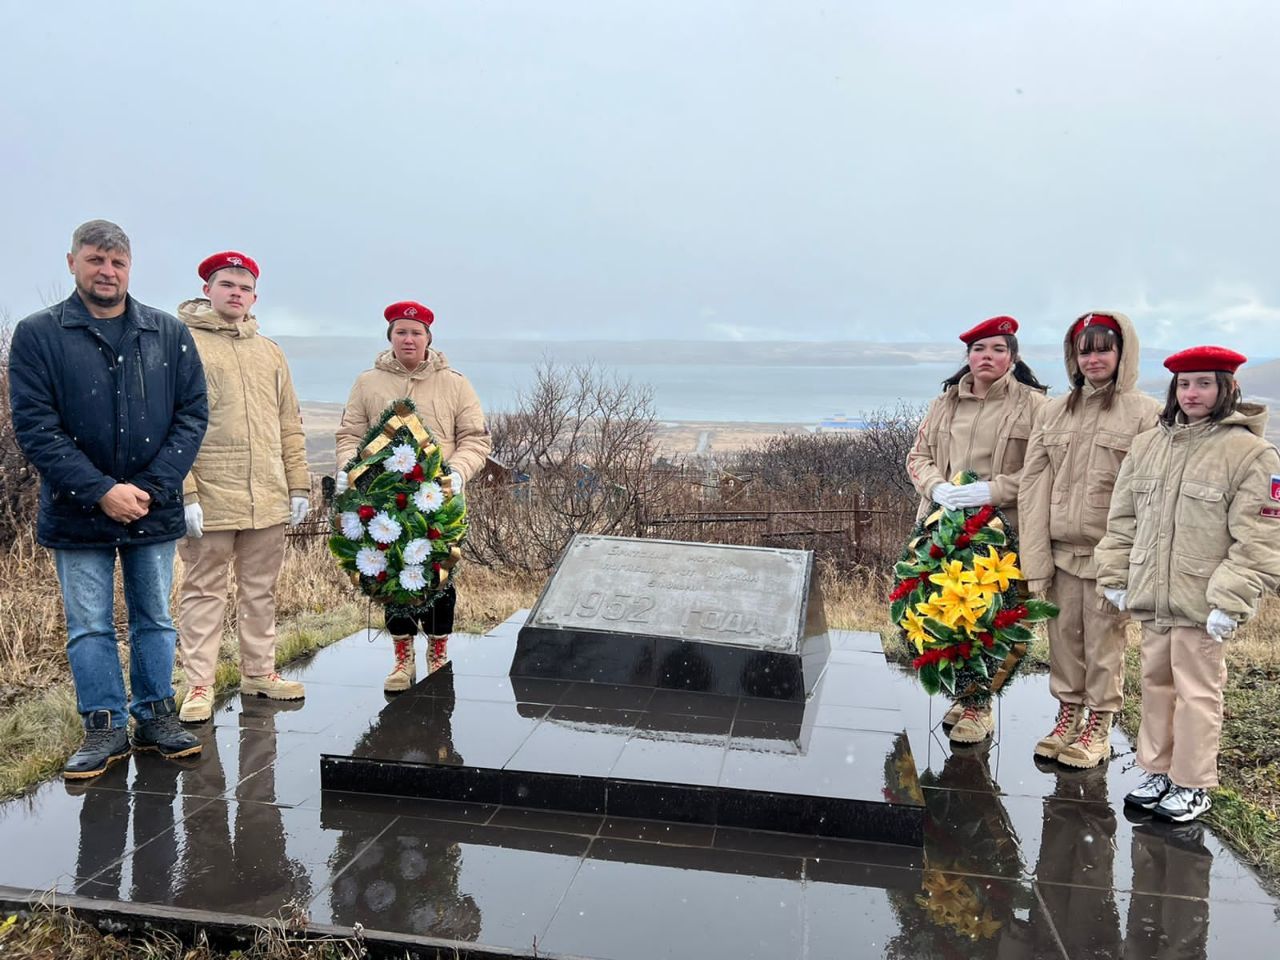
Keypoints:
pixel 402 459
pixel 371 562
pixel 429 497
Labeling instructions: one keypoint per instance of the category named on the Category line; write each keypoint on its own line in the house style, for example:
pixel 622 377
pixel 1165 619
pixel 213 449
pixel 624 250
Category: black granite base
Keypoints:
pixel 831 766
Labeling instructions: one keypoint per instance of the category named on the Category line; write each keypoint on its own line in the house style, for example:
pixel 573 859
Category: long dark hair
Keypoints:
pixel 1228 399
pixel 1095 339
pixel 1021 372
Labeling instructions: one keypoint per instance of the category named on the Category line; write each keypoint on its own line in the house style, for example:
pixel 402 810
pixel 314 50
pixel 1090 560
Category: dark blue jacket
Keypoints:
pixel 88 416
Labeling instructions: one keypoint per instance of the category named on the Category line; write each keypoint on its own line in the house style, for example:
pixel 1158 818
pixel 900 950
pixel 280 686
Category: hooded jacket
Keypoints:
pixel 1195 521
pixel 89 415
pixel 445 400
pixel 1072 463
pixel 987 435
pixel 254 454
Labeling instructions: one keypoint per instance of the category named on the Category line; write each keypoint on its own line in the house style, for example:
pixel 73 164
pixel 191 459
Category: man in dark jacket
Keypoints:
pixel 108 401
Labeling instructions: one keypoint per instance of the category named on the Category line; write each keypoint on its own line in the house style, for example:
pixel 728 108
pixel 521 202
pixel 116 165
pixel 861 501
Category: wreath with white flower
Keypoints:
pixel 398 527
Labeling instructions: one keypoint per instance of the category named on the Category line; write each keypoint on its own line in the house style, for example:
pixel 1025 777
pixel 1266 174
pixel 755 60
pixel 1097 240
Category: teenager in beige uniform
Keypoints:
pixel 982 422
pixel 1076 450
pixel 1192 542
pixel 448 407
pixel 249 479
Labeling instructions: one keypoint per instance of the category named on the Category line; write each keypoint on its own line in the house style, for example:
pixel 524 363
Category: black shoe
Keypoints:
pixel 103 745
pixel 162 732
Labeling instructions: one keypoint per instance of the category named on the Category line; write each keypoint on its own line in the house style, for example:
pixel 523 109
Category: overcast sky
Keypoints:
pixel 678 170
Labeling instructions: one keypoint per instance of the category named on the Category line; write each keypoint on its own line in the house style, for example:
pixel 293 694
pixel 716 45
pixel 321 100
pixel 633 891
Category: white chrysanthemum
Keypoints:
pixel 383 528
pixel 352 528
pixel 402 459
pixel 371 562
pixel 429 497
pixel 412 577
pixel 416 551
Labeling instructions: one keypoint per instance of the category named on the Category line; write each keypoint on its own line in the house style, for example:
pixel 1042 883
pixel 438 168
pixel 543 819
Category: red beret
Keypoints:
pixel 1205 360
pixel 228 258
pixel 409 310
pixel 1096 320
pixel 995 327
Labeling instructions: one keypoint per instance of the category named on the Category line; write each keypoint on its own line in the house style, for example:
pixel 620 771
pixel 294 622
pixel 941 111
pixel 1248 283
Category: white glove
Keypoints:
pixel 1115 597
pixel 1219 625
pixel 456 477
pixel 944 495
pixel 976 494
pixel 299 507
pixel 340 483
pixel 194 514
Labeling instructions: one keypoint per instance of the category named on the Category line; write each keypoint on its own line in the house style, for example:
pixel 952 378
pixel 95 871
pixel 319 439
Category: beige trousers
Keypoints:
pixel 1183 673
pixel 1086 646
pixel 258 556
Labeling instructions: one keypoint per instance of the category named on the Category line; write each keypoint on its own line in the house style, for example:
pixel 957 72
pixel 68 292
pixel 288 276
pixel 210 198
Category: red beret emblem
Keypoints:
pixel 409 310
pixel 228 258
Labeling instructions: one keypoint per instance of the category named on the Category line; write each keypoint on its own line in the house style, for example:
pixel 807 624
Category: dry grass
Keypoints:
pixel 315 605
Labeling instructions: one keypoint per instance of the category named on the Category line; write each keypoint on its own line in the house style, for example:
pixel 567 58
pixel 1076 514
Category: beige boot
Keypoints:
pixel 952 716
pixel 404 673
pixel 1092 746
pixel 1065 730
pixel 273 686
pixel 974 726
pixel 437 653
pixel 197 705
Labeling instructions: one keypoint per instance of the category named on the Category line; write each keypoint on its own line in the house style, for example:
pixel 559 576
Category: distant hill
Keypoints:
pixel 1262 382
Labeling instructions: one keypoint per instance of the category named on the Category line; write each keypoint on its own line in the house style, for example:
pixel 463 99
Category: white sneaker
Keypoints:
pixel 1150 792
pixel 1181 804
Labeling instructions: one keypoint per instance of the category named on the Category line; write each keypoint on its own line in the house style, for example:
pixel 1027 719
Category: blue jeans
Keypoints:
pixel 88 591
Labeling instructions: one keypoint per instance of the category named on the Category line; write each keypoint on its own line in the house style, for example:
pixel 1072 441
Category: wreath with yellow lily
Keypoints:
pixel 957 604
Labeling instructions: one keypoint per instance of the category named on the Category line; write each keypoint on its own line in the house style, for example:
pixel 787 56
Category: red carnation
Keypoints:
pixel 987 639
pixel 384 546
pixel 962 540
pixel 415 475
pixel 366 513
pixel 979 519
pixel 904 588
pixel 1007 618
pixel 401 500
pixel 966 651
pixel 382 576
pixel 935 551
pixel 435 567
pixel 433 534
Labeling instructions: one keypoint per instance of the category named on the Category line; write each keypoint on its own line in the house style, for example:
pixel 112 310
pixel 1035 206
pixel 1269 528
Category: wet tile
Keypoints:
pixel 440 730
pixel 487 885
pixel 580 741
pixel 692 703
pixel 671 760
pixel 536 690
pixel 686 728
pixel 1158 927
pixel 861 640
pixel 766 736
pixel 339 808
pixel 936 916
pixel 247 858
pixel 327 707
pixel 658 831
pixel 819 849
pixel 553 791
pixel 72 831
pixel 783 712
pixel 836 763
pixel 609 695
pixel 857 718
pixel 622 908
pixel 462 784
pixel 552 821
pixel 846 685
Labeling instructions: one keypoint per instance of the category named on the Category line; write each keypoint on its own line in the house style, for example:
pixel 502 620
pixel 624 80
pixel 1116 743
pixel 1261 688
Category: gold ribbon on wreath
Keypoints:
pixel 403 418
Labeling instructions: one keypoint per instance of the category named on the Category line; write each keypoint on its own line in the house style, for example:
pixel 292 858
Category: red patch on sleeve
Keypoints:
pixel 1272 512
pixel 1275 487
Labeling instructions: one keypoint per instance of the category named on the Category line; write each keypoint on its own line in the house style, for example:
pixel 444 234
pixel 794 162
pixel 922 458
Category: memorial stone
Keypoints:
pixel 740 621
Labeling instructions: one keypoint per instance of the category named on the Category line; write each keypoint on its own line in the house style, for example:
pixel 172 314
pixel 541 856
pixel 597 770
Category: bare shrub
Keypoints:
pixel 585 441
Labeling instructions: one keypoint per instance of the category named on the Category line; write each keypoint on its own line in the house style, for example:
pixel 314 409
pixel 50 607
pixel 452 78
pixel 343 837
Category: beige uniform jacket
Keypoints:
pixel 254 454
pixel 1195 521
pixel 1071 467
pixel 446 402
pixel 988 436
